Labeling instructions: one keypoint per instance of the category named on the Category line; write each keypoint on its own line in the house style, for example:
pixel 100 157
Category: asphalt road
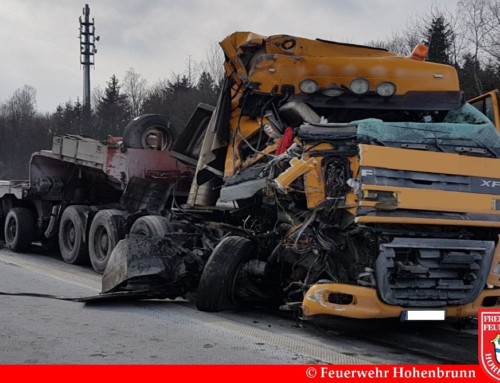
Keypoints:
pixel 36 330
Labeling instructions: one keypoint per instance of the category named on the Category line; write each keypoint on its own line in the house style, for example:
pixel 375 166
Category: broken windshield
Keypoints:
pixel 465 126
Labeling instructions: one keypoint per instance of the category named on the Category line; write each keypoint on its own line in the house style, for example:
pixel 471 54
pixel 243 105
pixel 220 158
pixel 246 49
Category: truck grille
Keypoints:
pixel 427 272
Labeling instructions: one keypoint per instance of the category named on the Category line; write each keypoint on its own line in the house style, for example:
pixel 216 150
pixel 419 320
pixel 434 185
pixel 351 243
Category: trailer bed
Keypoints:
pixel 14 187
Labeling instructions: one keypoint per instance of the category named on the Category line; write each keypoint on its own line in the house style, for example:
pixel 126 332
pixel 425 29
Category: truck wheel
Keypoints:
pixel 19 229
pixel 218 287
pixel 151 226
pixel 106 230
pixel 72 234
pixel 149 131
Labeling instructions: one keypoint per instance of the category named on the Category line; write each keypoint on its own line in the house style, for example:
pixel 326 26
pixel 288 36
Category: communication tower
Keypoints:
pixel 87 51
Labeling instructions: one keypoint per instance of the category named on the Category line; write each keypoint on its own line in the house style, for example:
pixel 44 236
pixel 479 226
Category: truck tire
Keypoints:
pixel 106 230
pixel 138 130
pixel 19 229
pixel 217 289
pixel 151 226
pixel 72 234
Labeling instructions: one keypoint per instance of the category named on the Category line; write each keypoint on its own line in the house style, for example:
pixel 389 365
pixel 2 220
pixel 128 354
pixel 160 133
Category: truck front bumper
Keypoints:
pixel 363 303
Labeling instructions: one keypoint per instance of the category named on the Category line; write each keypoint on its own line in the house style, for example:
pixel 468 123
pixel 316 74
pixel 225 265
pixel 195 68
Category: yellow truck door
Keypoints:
pixel 488 103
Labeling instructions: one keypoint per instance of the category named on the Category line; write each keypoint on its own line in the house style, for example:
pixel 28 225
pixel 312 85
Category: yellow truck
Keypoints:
pixel 386 194
pixel 331 179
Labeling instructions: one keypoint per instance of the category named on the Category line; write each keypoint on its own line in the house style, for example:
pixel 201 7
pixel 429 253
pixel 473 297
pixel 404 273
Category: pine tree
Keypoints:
pixel 181 84
pixel 207 88
pixel 113 110
pixel 440 38
pixel 489 77
pixel 467 76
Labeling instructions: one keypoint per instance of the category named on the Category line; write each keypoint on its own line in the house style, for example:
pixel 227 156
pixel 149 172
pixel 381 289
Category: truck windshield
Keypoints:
pixel 465 126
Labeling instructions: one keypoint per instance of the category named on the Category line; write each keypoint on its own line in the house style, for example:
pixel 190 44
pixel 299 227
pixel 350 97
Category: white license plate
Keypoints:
pixel 411 315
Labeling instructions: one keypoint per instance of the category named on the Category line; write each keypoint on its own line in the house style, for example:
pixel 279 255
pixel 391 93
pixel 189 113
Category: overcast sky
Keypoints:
pixel 40 45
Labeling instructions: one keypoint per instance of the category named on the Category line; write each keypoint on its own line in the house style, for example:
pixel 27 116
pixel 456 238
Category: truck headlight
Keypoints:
pixel 359 86
pixel 386 89
pixel 308 86
pixel 332 91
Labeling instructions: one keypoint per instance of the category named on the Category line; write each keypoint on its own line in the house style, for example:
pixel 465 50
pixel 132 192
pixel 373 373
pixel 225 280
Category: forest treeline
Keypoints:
pixel 467 38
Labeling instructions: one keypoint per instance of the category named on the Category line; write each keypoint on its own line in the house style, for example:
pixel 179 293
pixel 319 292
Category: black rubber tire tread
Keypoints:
pixel 151 226
pixel 133 132
pixel 112 222
pixel 216 284
pixel 76 252
pixel 19 241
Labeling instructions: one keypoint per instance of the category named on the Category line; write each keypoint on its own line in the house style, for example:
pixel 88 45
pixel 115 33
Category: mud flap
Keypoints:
pixel 146 267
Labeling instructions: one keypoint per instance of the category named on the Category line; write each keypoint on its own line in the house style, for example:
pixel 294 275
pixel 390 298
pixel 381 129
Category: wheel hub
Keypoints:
pixel 11 229
pixel 71 236
pixel 104 243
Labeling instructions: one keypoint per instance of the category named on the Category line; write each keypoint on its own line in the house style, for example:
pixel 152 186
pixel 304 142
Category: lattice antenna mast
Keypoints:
pixel 87 51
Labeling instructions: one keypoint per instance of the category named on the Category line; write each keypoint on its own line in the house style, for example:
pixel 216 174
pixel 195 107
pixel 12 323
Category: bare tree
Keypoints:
pixel 473 17
pixel 491 42
pixel 21 131
pixel 135 87
pixel 97 95
pixel 213 63
pixel 401 43
pixel 476 27
pixel 21 106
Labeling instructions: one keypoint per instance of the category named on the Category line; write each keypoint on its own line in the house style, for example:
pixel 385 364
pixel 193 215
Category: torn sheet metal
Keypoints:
pixel 146 264
pixel 297 168
pixel 242 190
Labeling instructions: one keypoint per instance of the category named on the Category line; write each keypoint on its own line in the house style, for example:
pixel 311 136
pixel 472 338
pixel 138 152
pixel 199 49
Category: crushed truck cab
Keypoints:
pixel 366 185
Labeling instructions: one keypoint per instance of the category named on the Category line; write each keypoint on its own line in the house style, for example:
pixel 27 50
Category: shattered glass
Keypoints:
pixel 464 126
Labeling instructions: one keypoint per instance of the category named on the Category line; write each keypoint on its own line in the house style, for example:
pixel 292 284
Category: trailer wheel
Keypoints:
pixel 151 226
pixel 106 230
pixel 149 131
pixel 19 229
pixel 218 287
pixel 72 234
